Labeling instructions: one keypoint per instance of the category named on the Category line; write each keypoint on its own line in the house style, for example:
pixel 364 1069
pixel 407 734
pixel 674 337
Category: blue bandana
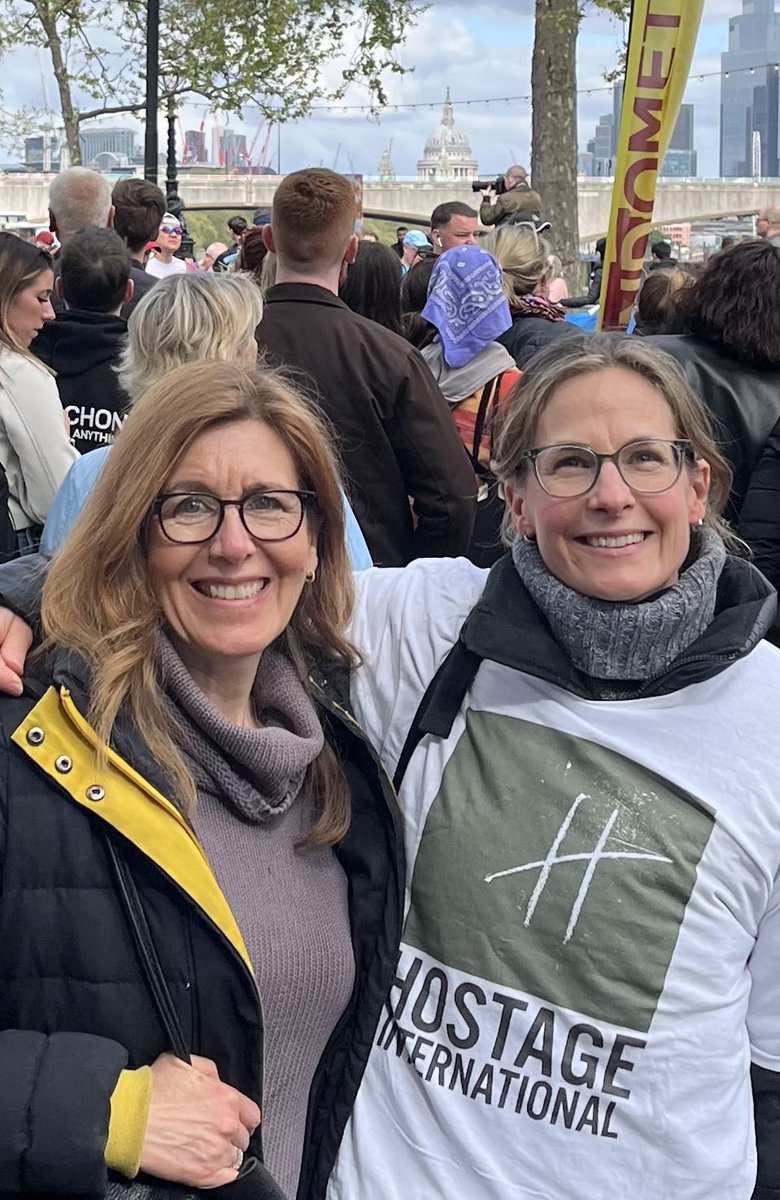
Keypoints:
pixel 466 303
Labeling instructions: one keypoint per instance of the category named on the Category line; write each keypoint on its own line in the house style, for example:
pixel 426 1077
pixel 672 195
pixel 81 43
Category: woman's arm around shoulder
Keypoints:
pixel 405 622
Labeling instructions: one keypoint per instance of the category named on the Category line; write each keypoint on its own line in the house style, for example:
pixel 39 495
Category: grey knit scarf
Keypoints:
pixel 259 772
pixel 623 641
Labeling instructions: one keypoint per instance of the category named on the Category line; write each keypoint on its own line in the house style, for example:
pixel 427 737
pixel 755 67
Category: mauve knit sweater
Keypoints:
pixel 290 904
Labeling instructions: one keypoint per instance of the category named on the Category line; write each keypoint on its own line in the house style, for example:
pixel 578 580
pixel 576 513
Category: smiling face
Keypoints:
pixel 612 543
pixel 225 600
pixel 30 308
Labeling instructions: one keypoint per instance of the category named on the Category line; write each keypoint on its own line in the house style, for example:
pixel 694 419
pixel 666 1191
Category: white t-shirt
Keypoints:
pixel 155 266
pixel 591 952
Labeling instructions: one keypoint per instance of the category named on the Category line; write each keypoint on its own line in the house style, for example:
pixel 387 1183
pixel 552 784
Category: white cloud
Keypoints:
pixel 480 52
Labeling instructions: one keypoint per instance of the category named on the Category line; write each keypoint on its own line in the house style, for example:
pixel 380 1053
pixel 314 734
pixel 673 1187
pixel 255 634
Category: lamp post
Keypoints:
pixel 173 199
pixel 152 74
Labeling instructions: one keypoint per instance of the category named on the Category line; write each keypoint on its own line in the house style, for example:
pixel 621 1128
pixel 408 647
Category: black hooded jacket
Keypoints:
pixel 83 349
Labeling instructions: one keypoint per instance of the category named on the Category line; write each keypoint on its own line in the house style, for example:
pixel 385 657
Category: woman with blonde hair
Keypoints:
pixel 35 452
pixel 186 318
pixel 179 781
pixel 524 258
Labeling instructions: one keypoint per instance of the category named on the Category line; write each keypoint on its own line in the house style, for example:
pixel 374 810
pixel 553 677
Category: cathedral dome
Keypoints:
pixel 447 153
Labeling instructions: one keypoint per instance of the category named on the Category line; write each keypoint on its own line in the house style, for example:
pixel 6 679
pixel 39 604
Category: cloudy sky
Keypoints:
pixel 480 58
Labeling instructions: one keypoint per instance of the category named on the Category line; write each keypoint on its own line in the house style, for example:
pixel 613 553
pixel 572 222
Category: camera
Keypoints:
pixel 497 184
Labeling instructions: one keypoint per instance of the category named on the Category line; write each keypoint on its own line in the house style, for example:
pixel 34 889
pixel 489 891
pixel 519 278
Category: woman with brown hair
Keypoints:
pixel 177 779
pixel 585 747
pixel 35 451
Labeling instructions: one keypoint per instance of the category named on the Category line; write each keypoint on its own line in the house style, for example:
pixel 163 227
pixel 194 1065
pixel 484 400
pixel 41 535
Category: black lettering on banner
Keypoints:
pixel 542 1023
pixel 540 1088
pixel 484 1085
pixel 459 1076
pixel 509 1005
pixel 472 1037
pixel 590 1116
pixel 418 1052
pixel 442 1057
pixel 617 1063
pixel 509 1078
pixel 435 976
pixel 589 1061
pixel 405 984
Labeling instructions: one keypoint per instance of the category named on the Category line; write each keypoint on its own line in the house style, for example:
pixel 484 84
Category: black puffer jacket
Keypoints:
pixel 526 335
pixel 742 397
pixel 74 1006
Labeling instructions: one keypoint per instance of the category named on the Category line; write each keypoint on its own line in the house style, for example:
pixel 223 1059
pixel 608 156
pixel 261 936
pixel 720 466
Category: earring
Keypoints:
pixel 310 576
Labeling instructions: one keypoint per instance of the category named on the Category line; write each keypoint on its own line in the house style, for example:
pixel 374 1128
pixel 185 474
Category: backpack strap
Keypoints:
pixel 487 403
pixel 441 703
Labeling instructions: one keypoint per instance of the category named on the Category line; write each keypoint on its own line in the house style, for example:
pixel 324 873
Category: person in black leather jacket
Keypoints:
pixel 759 522
pixel 731 352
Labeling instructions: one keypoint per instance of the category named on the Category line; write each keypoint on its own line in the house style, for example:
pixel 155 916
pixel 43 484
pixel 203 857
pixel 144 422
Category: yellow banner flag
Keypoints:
pixel 661 40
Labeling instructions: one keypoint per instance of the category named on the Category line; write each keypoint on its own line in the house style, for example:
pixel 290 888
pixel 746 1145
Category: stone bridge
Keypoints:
pixel 677 201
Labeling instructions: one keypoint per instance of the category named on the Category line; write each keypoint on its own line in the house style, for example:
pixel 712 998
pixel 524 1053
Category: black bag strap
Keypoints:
pixel 488 401
pixel 146 950
pixel 441 703
pixel 254 1182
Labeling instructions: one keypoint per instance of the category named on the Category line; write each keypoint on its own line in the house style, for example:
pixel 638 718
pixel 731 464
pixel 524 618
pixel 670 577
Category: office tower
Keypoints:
pixel 749 101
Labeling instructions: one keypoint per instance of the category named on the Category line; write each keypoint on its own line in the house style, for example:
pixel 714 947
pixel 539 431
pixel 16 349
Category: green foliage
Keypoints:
pixel 237 56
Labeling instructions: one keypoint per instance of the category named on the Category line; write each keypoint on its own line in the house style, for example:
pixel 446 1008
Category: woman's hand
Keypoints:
pixel 15 641
pixel 196 1124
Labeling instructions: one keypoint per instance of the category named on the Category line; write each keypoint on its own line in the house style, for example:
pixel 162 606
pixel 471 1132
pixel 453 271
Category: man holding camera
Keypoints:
pixel 510 199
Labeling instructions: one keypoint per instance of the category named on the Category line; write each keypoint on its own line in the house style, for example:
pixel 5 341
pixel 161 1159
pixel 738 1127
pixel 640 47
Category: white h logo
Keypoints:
pixel 593 859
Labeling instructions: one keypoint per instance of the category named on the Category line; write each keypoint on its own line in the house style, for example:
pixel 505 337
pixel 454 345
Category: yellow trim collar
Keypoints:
pixel 64 746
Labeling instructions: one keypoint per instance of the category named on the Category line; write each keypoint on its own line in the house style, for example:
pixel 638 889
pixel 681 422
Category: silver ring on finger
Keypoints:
pixel 239 1160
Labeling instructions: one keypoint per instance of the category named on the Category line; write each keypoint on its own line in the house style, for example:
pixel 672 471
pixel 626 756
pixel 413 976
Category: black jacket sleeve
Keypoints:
pixel 766 1105
pixel 437 473
pixel 54 1110
pixel 21 586
pixel 759 518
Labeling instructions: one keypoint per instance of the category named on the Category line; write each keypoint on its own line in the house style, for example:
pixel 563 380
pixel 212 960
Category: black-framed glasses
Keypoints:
pixel 177 229
pixel 647 466
pixel 270 515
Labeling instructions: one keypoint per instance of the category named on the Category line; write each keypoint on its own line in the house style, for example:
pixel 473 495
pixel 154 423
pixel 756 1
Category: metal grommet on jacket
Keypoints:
pixel 35 735
pixel 95 793
pixel 63 764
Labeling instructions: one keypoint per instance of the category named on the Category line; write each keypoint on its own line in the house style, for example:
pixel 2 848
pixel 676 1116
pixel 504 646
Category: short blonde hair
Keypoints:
pixel 189 318
pixel 524 259
pixel 97 599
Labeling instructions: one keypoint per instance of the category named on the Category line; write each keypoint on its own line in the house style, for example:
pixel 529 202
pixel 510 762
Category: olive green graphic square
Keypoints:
pixel 556 867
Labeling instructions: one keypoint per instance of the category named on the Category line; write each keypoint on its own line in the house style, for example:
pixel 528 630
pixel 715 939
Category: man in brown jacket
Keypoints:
pixel 517 200
pixel 409 481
